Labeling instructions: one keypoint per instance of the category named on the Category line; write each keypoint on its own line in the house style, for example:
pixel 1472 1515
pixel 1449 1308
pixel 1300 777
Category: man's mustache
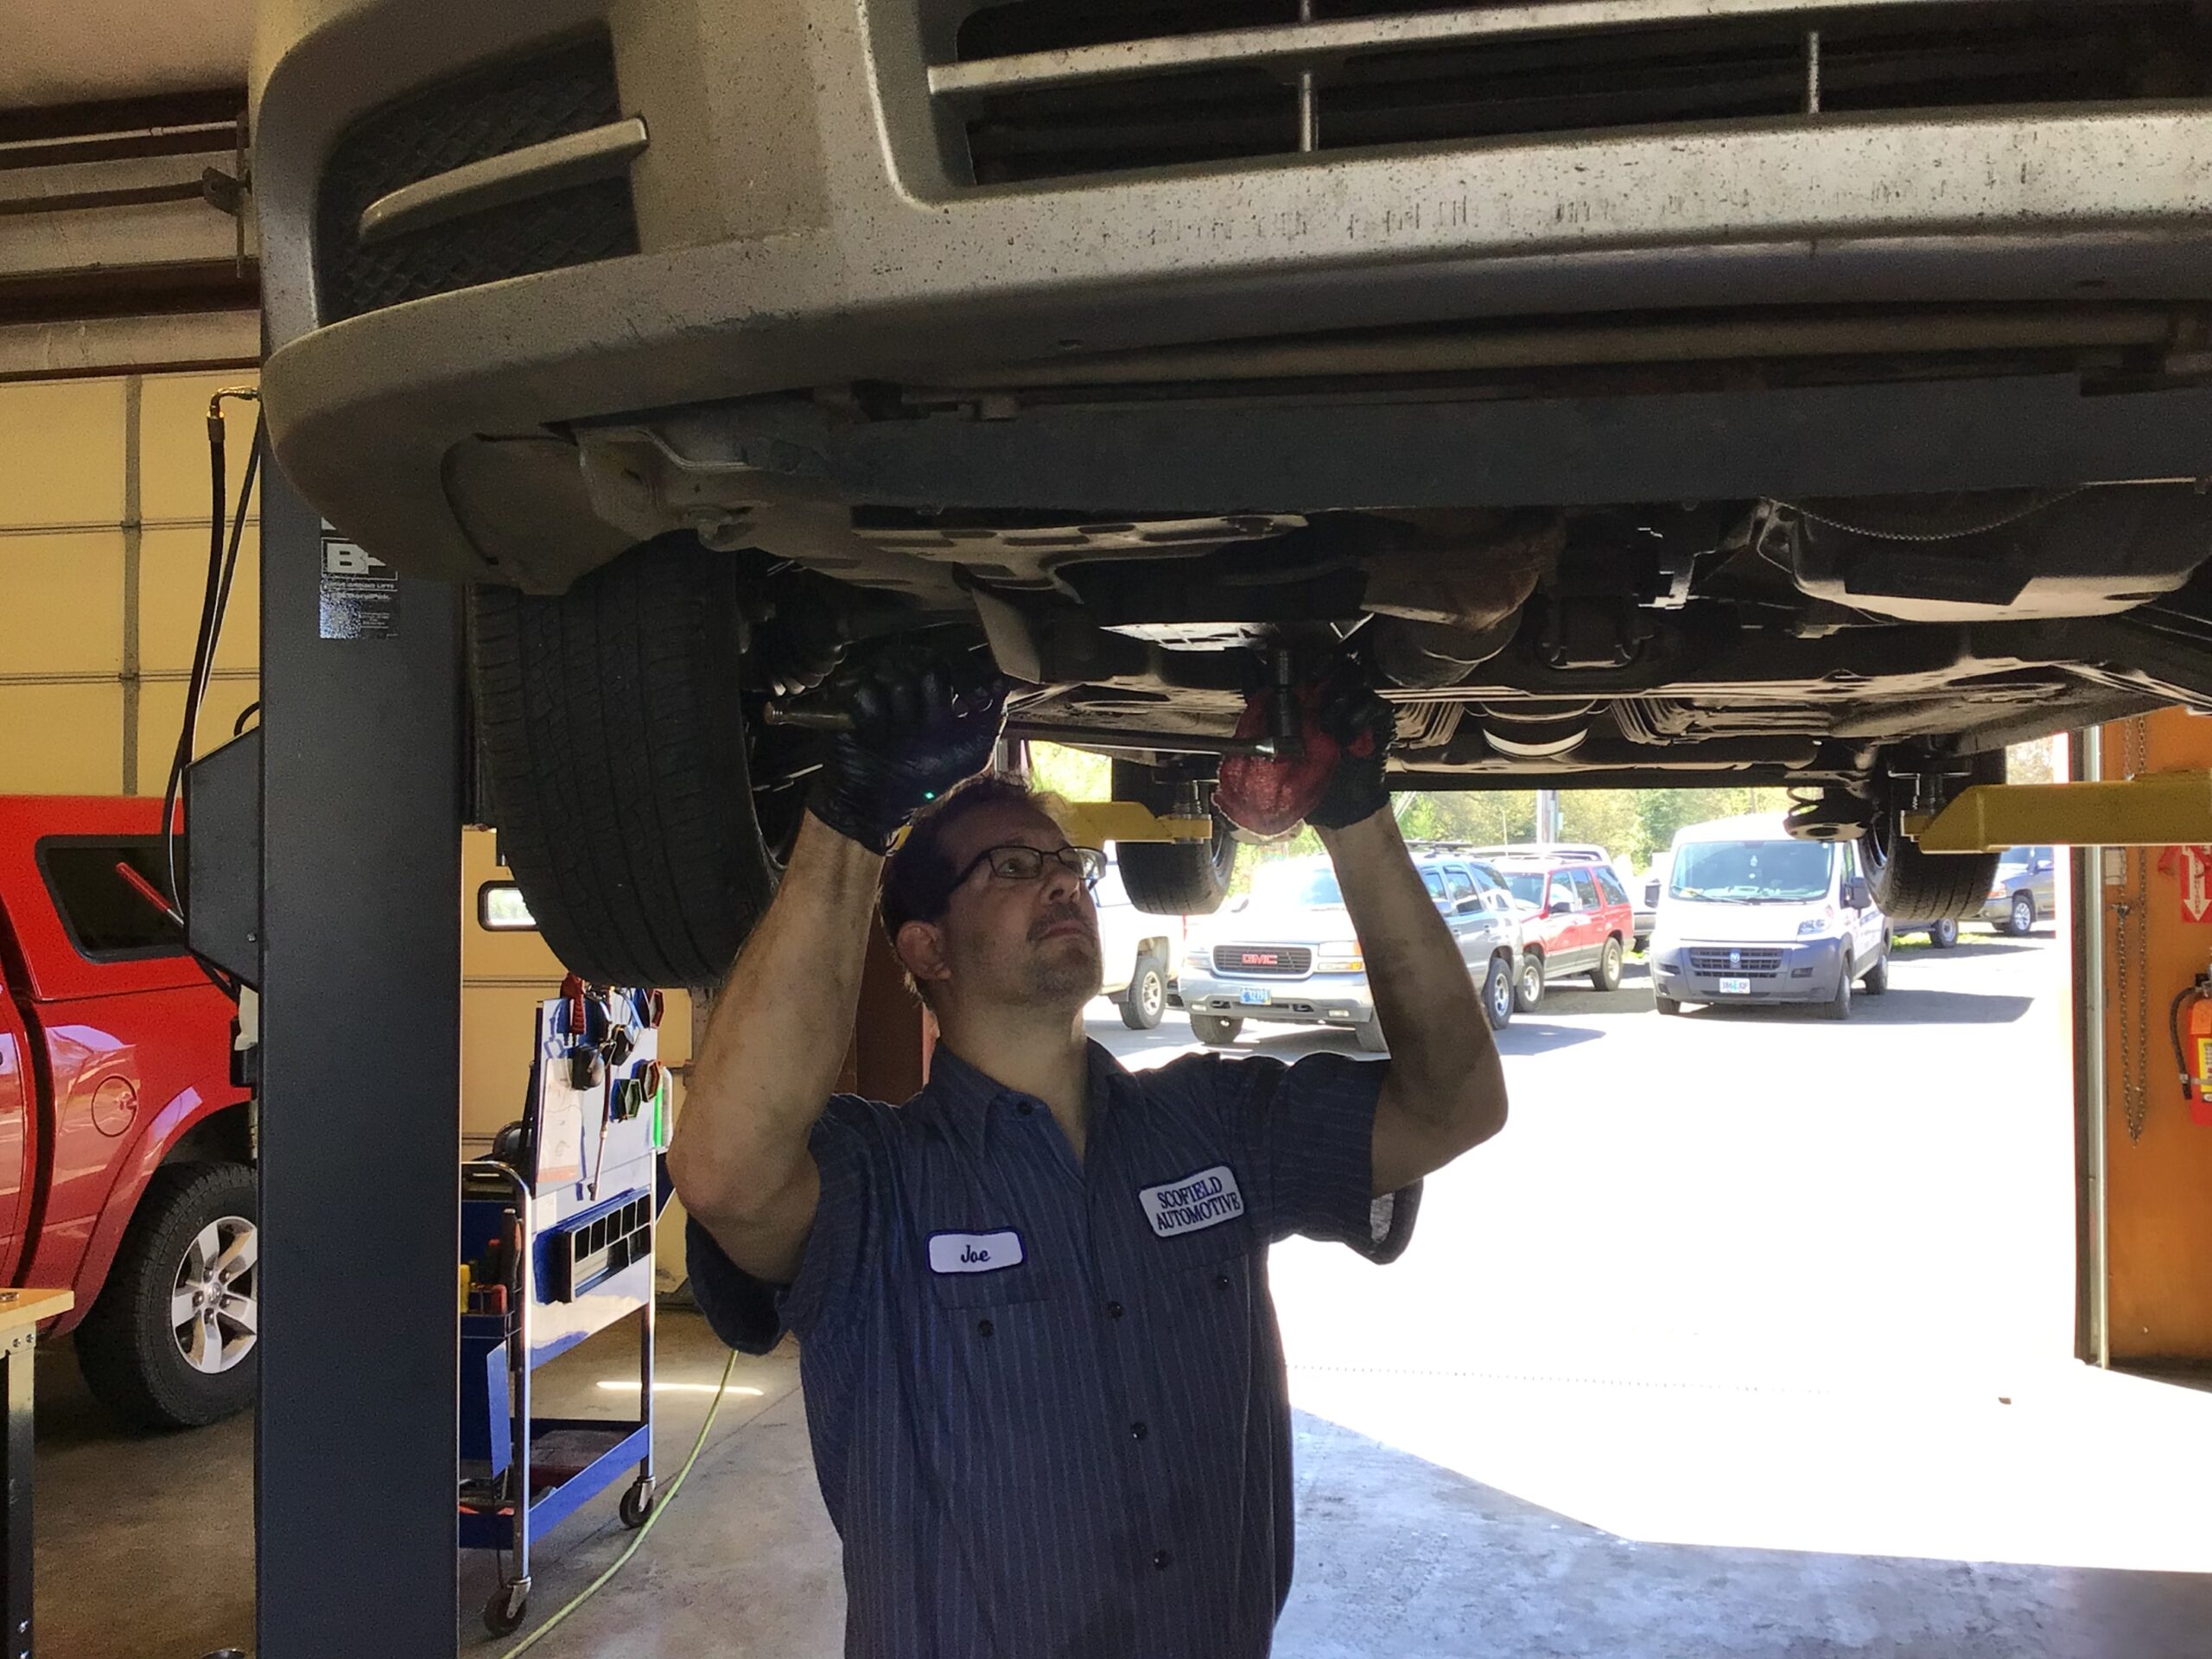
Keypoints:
pixel 1052 918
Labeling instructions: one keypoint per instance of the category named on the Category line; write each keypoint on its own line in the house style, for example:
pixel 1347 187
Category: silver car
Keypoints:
pixel 1659 392
pixel 1287 954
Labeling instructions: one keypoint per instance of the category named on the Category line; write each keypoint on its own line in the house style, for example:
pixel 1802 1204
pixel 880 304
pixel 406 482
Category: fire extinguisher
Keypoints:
pixel 2193 1045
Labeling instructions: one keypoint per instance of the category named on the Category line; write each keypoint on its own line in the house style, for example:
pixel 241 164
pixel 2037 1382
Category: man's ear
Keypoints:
pixel 920 950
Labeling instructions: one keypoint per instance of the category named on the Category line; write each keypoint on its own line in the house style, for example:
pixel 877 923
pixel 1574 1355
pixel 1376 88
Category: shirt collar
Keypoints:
pixel 954 1083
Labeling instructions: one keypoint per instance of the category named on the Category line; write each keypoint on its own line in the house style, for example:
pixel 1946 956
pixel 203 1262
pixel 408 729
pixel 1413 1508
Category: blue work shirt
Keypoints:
pixel 1046 1398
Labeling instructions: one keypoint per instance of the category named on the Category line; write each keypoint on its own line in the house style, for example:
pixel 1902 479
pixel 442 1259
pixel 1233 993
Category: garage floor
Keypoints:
pixel 1749 1338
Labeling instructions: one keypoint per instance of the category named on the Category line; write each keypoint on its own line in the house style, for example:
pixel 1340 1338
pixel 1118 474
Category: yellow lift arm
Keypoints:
pixel 1093 824
pixel 2166 808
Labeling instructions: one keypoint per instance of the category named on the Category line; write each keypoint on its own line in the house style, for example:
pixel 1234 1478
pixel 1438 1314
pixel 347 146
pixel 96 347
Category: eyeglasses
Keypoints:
pixel 1027 864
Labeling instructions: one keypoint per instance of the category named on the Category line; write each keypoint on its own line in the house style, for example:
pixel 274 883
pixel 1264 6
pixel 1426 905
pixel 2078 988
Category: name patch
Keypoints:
pixel 1193 1203
pixel 974 1252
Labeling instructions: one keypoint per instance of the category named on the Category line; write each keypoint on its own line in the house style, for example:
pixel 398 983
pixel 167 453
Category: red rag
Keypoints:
pixel 1271 795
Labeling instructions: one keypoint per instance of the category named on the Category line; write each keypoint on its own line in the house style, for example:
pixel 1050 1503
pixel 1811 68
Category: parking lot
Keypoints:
pixel 1739 1301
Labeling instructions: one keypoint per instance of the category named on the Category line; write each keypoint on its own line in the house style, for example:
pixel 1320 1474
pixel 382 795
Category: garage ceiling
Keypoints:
pixel 112 259
pixel 67 54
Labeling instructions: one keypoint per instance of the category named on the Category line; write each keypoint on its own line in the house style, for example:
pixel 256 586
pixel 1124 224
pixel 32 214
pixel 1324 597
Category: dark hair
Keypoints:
pixel 918 877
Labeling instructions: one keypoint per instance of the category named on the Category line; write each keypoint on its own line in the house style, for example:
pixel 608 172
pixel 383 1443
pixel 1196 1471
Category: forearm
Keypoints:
pixel 770 1054
pixel 1446 1076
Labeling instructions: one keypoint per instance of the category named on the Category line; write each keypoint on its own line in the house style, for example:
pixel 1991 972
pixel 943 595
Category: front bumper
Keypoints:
pixel 802 222
pixel 1808 971
pixel 1317 999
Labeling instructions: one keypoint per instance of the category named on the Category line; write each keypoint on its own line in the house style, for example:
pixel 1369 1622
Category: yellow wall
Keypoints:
pixel 2158 1190
pixel 104 506
pixel 104 523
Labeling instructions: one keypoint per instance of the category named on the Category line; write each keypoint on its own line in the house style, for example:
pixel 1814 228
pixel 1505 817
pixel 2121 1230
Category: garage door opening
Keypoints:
pixel 1753 1327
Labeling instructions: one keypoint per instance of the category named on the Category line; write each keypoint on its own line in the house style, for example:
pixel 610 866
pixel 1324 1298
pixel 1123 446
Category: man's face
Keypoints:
pixel 1013 941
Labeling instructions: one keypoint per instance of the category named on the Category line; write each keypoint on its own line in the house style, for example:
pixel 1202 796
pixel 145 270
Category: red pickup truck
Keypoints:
pixel 126 1151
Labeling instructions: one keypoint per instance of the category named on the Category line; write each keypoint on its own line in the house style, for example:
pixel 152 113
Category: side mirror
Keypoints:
pixel 1854 894
pixel 1472 901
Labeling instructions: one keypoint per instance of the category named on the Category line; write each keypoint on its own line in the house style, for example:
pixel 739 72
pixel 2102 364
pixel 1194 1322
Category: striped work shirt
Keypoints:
pixel 1046 1398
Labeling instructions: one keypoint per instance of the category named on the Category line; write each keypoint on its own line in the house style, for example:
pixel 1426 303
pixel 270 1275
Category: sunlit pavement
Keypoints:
pixel 1748 1277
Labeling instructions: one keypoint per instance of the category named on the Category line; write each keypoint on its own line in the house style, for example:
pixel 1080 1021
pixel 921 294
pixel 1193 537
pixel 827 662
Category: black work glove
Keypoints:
pixel 921 722
pixel 1362 725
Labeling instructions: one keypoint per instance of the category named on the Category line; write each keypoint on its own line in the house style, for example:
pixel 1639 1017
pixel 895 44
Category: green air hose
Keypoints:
pixel 644 1532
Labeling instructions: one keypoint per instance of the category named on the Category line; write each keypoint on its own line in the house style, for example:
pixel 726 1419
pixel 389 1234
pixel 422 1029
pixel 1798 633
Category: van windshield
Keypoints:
pixel 1750 872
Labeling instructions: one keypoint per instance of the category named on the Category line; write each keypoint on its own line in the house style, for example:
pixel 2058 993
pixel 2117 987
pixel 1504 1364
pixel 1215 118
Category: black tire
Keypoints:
pixel 1606 975
pixel 504 1612
pixel 1216 1030
pixel 1665 1004
pixel 621 769
pixel 132 1355
pixel 1941 887
pixel 1529 984
pixel 637 1501
pixel 1839 1005
pixel 2022 921
pixel 1369 1035
pixel 1497 993
pixel 1876 979
pixel 1146 999
pixel 1943 934
pixel 1166 878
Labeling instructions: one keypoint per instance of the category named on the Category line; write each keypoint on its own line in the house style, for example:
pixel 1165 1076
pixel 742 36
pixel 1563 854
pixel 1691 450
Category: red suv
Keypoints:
pixel 1577 919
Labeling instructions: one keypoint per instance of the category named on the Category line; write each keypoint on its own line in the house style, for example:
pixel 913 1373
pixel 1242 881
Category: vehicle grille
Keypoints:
pixel 1045 89
pixel 1280 961
pixel 565 89
pixel 1745 964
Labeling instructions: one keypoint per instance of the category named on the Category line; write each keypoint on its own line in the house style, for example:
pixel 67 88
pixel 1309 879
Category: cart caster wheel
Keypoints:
pixel 637 1502
pixel 503 1614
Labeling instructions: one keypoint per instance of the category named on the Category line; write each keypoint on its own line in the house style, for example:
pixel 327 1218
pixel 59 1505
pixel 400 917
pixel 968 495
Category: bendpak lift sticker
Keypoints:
pixel 360 593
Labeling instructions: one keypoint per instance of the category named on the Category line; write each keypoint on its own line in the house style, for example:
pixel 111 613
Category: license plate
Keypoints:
pixel 1735 988
pixel 1252 996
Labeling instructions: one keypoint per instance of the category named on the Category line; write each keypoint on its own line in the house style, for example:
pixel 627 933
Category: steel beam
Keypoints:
pixel 2163 809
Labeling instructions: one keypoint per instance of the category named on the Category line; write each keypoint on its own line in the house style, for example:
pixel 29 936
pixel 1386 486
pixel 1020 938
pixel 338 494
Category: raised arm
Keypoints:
pixel 780 1026
pixel 1446 1088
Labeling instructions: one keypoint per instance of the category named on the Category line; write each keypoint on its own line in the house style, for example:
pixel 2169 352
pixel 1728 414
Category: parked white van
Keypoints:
pixel 1750 915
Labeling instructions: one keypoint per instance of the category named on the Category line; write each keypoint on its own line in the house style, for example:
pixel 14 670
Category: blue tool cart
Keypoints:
pixel 558 1229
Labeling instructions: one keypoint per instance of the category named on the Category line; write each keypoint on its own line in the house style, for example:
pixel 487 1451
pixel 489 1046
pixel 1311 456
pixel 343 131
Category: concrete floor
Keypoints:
pixel 1749 1338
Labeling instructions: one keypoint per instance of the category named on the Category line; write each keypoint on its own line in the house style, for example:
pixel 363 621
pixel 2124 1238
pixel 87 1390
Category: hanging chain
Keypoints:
pixel 2132 937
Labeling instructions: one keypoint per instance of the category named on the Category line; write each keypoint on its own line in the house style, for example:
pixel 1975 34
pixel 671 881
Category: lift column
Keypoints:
pixel 360 1111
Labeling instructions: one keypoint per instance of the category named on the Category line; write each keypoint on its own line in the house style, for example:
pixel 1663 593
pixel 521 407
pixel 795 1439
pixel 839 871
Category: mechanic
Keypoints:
pixel 1043 1380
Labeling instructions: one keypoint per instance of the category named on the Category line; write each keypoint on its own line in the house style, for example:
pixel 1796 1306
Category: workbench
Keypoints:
pixel 22 1312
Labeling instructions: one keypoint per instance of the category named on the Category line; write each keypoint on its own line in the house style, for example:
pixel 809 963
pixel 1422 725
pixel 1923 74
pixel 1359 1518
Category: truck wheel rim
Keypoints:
pixel 1531 979
pixel 1152 995
pixel 214 1303
pixel 1501 996
pixel 2024 916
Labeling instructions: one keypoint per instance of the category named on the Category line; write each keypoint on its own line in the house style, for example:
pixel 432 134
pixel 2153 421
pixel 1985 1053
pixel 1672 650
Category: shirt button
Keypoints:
pixel 1138 1431
pixel 1023 1106
pixel 1114 1310
pixel 982 1327
pixel 1221 1281
pixel 1161 1558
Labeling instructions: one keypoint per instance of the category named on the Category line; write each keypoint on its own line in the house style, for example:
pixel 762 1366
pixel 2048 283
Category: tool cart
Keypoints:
pixel 557 1228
